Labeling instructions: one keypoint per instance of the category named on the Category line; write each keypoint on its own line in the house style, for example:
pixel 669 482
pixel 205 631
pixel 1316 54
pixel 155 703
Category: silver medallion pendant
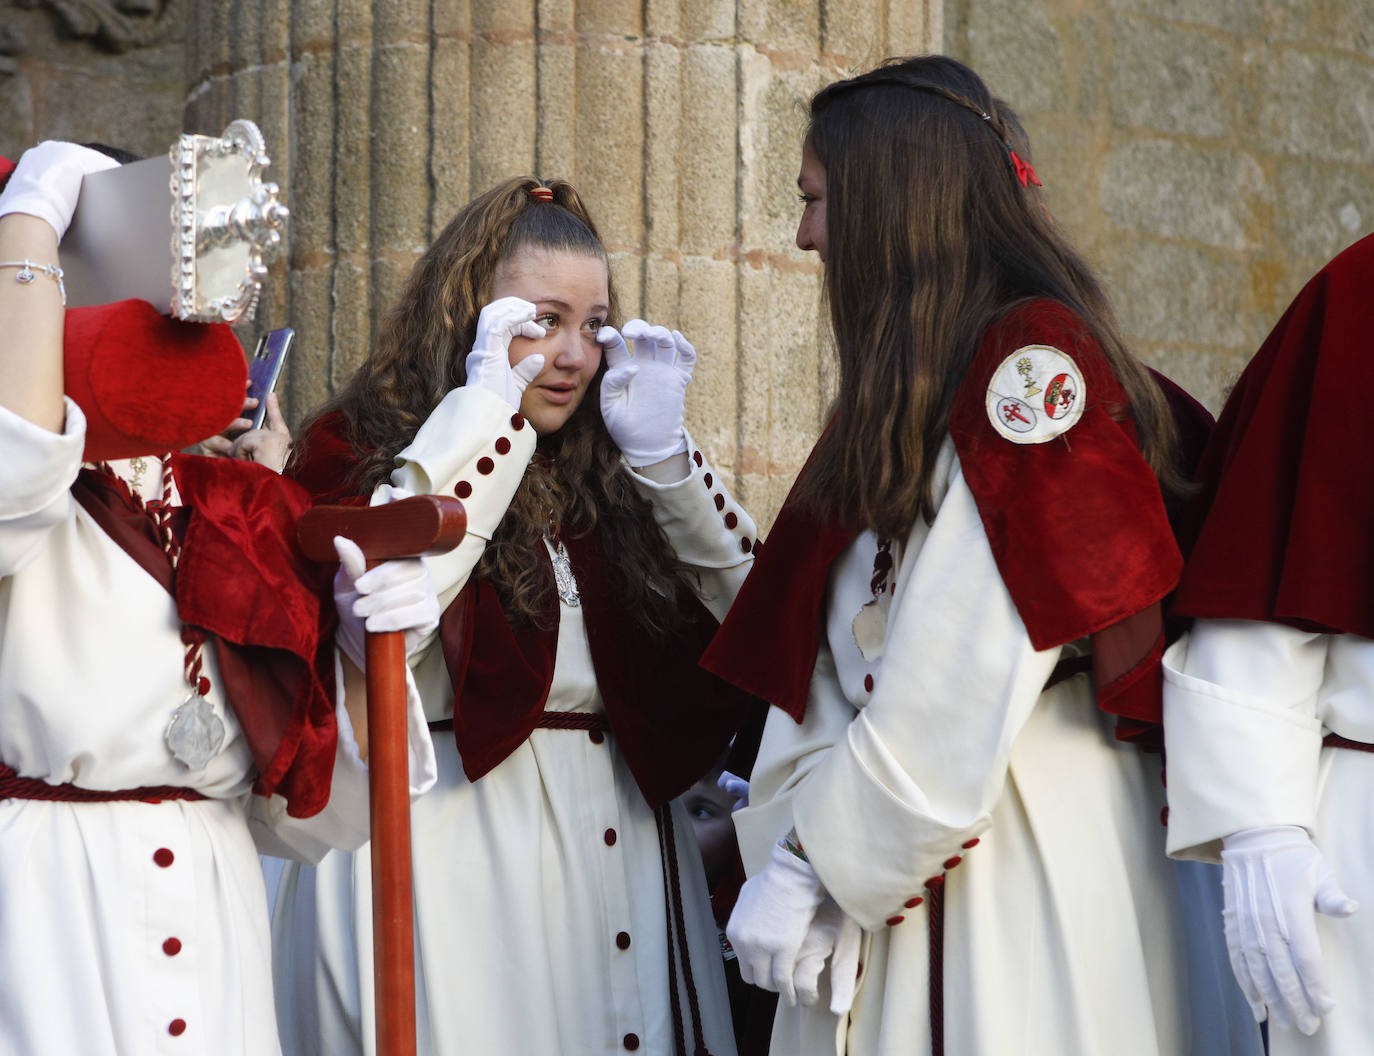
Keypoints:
pixel 195 734
pixel 563 577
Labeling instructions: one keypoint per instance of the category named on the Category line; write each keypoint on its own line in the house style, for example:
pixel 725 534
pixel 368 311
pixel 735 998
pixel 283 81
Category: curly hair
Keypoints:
pixel 577 481
pixel 931 238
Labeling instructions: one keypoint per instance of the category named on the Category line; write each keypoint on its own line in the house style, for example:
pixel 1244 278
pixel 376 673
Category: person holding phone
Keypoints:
pixel 167 668
pixel 260 434
pixel 560 905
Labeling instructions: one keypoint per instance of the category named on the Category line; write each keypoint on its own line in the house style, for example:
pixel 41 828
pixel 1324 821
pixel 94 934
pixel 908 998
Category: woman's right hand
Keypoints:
pixel 47 181
pixel 488 364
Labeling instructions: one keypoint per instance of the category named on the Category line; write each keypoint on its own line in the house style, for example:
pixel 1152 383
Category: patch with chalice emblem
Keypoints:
pixel 1036 394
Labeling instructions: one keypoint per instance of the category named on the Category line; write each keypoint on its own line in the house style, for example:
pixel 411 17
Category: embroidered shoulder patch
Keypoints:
pixel 1035 394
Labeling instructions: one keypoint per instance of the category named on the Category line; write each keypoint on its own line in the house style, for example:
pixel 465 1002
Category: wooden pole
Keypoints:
pixel 425 524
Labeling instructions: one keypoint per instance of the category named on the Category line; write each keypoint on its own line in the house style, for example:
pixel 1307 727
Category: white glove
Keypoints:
pixel 397 595
pixel 1275 882
pixel 834 934
pixel 734 785
pixel 644 393
pixel 47 181
pixel 770 922
pixel 488 364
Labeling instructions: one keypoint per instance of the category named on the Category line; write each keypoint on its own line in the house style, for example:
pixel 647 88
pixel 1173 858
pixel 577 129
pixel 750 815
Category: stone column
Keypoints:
pixel 678 120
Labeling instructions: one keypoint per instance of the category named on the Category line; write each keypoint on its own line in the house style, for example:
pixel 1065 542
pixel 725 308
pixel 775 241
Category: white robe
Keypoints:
pixel 526 880
pixel 1246 706
pixel 1061 924
pixel 106 950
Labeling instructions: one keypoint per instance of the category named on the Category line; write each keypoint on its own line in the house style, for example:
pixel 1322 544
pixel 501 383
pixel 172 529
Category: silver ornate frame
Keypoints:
pixel 226 224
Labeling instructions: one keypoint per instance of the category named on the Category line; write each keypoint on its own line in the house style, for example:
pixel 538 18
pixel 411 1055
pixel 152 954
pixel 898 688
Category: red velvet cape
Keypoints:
pixel 1077 528
pixel 1285 521
pixel 671 719
pixel 242 578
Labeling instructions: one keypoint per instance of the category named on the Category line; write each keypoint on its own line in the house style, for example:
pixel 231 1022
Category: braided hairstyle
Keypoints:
pixel 935 228
pixel 576 481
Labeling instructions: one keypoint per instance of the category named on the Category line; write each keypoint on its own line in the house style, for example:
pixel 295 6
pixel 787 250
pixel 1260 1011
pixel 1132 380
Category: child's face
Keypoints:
pixel 709 808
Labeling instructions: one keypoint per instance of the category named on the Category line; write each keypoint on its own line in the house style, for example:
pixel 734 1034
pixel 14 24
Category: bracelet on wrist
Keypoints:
pixel 27 273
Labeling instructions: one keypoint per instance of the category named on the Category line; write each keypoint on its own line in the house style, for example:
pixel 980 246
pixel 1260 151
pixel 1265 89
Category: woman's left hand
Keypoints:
pixel 644 392
pixel 268 446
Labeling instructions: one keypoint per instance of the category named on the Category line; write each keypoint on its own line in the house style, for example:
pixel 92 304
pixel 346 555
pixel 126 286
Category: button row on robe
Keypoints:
pixel 731 519
pixel 935 882
pixel 485 465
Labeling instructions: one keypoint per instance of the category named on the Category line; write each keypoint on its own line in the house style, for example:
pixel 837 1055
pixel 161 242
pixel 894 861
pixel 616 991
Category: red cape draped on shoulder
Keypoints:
pixel 670 719
pixel 1076 524
pixel 242 578
pixel 1284 524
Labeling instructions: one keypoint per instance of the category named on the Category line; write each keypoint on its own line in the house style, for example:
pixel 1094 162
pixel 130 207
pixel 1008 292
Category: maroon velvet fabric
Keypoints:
pixel 242 579
pixel 670 718
pixel 323 462
pixel 1285 519
pixel 1076 525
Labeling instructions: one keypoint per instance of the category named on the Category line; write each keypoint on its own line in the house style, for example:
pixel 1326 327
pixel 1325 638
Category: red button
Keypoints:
pixel 171 947
pixel 934 883
pixel 485 465
pixel 609 837
pixel 950 863
pixel 696 457
pixel 163 857
pixel 596 736
pixel 745 546
pixel 517 422
pixel 893 921
pixel 720 501
pixel 176 1028
pixel 632 1041
pixel 868 683
pixel 462 489
pixel 912 903
pixel 970 843
pixel 1164 816
pixel 707 480
pixel 731 520
pixel 502 445
pixel 623 940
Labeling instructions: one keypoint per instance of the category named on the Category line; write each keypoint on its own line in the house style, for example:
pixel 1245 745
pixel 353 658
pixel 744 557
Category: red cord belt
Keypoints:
pixel 12 786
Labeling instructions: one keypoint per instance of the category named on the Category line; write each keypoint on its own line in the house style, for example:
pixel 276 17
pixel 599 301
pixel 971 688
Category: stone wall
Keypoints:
pixel 1207 155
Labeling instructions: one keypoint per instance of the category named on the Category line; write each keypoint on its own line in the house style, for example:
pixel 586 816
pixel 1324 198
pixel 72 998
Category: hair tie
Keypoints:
pixel 541 194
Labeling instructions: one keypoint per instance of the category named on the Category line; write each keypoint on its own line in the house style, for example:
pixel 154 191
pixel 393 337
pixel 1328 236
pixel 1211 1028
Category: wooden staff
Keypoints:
pixel 425 524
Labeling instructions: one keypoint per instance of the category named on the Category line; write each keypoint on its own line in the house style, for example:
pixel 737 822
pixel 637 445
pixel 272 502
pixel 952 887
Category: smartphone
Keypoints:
pixel 265 368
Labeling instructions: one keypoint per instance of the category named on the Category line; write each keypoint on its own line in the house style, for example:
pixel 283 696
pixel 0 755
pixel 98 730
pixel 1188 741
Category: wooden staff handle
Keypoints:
pixel 425 524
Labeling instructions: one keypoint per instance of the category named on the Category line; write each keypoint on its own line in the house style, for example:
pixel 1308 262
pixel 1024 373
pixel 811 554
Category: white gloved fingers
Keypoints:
pixel 651 342
pixel 47 181
pixel 734 785
pixel 528 368
pixel 351 559
pixel 770 921
pixel 844 965
pixel 1235 950
pixel 686 353
pixel 503 319
pixel 613 346
pixel 1330 899
pixel 615 385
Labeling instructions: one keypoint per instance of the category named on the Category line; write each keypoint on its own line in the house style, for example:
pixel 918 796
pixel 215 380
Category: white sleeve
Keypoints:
pixel 1241 729
pixel 475 447
pixel 709 531
pixel 922 764
pixel 37 470
pixel 345 822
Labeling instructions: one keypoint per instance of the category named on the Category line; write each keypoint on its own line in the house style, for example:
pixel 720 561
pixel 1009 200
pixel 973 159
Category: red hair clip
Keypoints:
pixel 1024 172
pixel 541 194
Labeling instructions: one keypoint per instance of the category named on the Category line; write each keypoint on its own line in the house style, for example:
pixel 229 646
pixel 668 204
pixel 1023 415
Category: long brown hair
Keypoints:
pixel 930 238
pixel 576 481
